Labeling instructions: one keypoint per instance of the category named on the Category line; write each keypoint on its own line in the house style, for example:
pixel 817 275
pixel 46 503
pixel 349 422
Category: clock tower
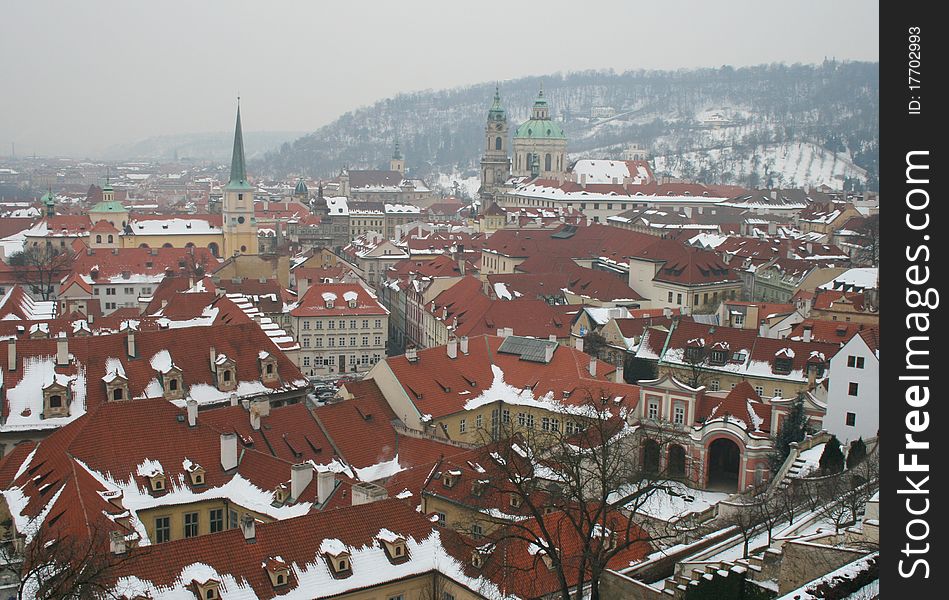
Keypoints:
pixel 495 164
pixel 240 226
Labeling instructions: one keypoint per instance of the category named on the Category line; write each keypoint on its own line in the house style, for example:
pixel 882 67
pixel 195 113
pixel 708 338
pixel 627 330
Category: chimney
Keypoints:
pixel 578 343
pixel 11 354
pixel 500 332
pixel 411 354
pixel 453 348
pixel 228 451
pixel 116 543
pixel 130 342
pixel 192 405
pixel 461 266
pixel 774 194
pixel 262 406
pixel 248 528
pixel 254 419
pixel 325 484
pixel 233 399
pixel 763 328
pixel 464 344
pixel 807 333
pixel 619 373
pixel 592 366
pixel 508 331
pixel 62 350
pixel 549 352
pixel 667 312
pixel 301 474
pixel 213 354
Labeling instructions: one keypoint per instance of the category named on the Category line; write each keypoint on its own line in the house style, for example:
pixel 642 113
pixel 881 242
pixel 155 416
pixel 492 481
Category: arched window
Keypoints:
pixel 227 375
pixel 213 248
pixel 497 143
pixel 110 238
pixel 98 239
pixel 547 162
pixel 166 245
pixel 173 385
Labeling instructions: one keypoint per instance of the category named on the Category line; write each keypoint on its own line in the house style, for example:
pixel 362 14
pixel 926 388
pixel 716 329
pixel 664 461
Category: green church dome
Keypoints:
pixel 540 129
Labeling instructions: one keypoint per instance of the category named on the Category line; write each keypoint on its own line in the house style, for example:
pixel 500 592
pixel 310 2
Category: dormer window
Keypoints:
pixel 330 304
pixel 281 494
pixel 515 501
pixel 394 546
pixel 209 590
pixel 278 571
pixel 477 488
pixel 450 478
pixel 55 401
pixel 718 357
pixel 173 384
pixel 197 476
pixel 694 354
pixel 157 482
pixel 340 565
pixel 268 368
pixel 782 365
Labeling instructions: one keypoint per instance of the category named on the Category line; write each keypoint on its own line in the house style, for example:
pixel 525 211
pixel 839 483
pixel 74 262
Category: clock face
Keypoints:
pixel 498 127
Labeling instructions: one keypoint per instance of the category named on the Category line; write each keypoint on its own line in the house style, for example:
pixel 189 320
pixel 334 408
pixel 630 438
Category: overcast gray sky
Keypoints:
pixel 78 77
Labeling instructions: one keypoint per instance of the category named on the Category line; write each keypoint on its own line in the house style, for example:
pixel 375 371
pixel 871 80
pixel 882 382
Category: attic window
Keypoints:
pixel 329 304
pixel 694 354
pixel 340 565
pixel 157 482
pixel 197 476
pixel 209 590
pixel 352 304
pixel 515 501
pixel 782 365
pixel 718 357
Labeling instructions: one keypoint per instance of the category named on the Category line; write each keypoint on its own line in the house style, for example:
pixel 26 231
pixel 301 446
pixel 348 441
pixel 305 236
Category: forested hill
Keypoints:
pixel 772 124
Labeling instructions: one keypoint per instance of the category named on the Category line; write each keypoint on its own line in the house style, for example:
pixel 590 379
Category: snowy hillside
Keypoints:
pixel 807 124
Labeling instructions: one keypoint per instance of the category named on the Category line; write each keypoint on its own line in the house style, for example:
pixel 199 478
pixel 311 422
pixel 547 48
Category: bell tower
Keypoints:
pixel 398 162
pixel 495 164
pixel 240 226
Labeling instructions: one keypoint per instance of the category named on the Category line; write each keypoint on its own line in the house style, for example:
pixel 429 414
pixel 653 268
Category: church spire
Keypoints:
pixel 238 170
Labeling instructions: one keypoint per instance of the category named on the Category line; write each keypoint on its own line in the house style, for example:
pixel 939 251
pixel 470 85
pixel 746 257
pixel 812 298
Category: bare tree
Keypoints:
pixel 869 252
pixel 579 485
pixel 40 268
pixel 55 565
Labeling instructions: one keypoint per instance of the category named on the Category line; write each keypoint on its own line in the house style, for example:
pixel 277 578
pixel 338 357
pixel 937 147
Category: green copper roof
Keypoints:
pixel 397 154
pixel 541 101
pixel 238 170
pixel 497 111
pixel 112 207
pixel 301 189
pixel 48 198
pixel 540 129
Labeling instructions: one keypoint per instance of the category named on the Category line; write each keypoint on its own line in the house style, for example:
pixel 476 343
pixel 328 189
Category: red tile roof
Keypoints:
pixel 297 542
pixel 832 332
pixel 101 265
pixel 94 357
pixel 742 402
pixel 313 304
pixel 362 431
pixel 590 241
pixel 76 466
pixel 434 382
